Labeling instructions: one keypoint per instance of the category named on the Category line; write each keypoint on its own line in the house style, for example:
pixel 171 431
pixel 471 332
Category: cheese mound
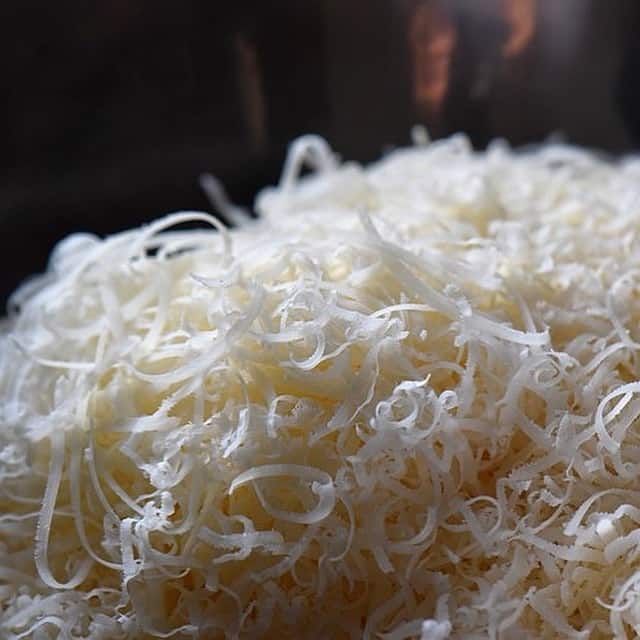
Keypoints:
pixel 403 404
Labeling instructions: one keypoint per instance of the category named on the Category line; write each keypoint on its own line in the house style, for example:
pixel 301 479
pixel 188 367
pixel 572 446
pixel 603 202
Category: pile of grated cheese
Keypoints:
pixel 403 404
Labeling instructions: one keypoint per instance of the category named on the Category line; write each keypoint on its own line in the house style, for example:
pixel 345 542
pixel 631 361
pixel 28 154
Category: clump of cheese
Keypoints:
pixel 404 404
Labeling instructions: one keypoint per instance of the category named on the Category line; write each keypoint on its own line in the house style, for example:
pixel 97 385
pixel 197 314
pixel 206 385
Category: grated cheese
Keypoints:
pixel 405 403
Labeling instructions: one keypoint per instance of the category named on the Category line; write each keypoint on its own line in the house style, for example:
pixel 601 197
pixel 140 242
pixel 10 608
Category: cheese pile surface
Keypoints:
pixel 403 404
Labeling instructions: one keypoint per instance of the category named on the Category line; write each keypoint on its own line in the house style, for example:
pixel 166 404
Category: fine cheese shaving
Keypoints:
pixel 402 404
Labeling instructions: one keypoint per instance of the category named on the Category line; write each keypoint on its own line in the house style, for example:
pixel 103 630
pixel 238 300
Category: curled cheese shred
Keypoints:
pixel 45 519
pixel 321 485
pixel 402 404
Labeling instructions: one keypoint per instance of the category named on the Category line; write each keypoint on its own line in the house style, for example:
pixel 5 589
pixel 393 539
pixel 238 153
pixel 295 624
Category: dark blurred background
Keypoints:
pixel 111 110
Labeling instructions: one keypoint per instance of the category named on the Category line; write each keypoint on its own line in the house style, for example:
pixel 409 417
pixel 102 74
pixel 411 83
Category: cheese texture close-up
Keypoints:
pixel 402 404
